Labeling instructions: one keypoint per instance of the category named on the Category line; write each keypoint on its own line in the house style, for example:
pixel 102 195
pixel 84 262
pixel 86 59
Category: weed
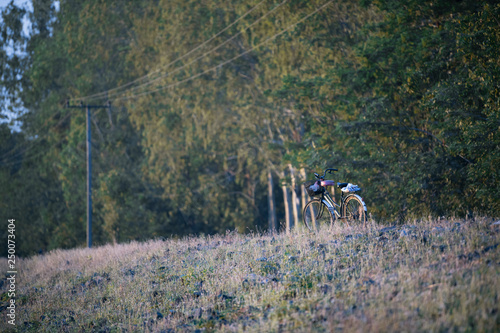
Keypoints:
pixel 429 276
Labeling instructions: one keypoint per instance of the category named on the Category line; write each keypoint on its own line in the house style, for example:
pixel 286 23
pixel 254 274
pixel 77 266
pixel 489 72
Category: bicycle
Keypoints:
pixel 321 212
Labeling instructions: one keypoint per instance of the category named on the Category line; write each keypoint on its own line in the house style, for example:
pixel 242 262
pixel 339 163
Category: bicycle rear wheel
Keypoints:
pixel 354 211
pixel 317 216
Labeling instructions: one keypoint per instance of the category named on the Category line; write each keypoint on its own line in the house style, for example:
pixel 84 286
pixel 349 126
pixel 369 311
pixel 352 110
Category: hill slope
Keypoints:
pixel 432 275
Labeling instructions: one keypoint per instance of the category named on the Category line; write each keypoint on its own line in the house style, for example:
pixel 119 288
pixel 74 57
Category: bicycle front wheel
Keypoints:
pixel 317 216
pixel 354 211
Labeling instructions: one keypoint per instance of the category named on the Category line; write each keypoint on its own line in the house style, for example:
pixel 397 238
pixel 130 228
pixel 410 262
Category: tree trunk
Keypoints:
pixel 286 200
pixel 303 193
pixel 295 199
pixel 270 202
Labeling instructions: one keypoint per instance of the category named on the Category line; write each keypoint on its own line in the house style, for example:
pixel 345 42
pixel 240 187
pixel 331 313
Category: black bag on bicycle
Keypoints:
pixel 313 188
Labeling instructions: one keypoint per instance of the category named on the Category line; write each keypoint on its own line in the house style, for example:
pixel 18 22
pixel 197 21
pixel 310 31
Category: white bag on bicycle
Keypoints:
pixel 351 188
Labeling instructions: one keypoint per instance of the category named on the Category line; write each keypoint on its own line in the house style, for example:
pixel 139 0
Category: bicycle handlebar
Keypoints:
pixel 326 170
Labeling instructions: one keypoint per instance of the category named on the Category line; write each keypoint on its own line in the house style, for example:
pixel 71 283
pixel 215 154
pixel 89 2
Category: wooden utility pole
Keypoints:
pixel 89 165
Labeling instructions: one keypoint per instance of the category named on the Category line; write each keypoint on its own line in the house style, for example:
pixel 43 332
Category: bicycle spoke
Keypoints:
pixel 316 216
pixel 354 211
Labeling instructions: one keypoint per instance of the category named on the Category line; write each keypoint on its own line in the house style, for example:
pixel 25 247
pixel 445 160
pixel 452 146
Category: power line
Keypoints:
pixel 198 58
pixel 12 160
pixel 27 144
pixel 227 61
pixel 217 66
pixel 103 94
pixel 9 157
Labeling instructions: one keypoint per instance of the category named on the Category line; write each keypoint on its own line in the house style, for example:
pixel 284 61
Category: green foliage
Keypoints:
pixel 415 110
pixel 403 99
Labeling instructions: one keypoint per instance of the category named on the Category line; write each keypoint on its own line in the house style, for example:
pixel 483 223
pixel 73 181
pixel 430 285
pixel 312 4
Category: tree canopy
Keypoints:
pixel 211 98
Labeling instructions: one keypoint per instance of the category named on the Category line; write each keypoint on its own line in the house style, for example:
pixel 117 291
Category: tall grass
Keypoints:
pixel 429 276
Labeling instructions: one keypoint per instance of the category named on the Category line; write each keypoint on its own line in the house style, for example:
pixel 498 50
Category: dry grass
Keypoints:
pixel 432 276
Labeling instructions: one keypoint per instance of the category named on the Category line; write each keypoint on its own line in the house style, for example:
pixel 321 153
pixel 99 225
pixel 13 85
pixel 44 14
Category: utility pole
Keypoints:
pixel 89 165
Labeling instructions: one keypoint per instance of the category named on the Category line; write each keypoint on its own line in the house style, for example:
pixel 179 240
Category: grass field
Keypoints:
pixel 425 276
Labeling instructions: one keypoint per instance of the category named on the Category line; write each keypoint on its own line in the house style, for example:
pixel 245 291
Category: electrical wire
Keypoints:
pixel 27 144
pixel 189 78
pixel 198 58
pixel 6 157
pixel 227 61
pixel 13 159
pixel 104 93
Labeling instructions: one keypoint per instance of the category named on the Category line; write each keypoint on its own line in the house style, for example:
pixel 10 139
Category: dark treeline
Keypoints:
pixel 216 124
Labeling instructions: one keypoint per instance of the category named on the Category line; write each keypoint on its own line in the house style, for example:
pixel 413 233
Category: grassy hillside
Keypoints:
pixel 427 276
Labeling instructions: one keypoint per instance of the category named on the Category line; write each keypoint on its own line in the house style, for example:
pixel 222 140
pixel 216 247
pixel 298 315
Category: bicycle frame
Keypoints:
pixel 331 204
